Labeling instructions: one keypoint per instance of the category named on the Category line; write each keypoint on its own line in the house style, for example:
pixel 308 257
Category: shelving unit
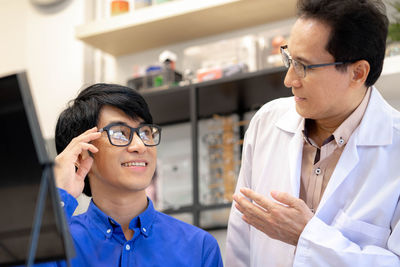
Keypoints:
pixel 237 94
pixel 178 21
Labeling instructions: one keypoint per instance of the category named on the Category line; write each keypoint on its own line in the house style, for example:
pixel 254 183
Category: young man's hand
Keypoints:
pixel 75 155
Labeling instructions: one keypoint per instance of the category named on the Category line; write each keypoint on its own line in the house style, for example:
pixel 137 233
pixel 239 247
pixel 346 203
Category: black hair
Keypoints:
pixel 83 113
pixel 358 30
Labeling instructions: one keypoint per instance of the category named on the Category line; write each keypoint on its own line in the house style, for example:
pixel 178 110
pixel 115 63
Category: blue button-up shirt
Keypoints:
pixel 159 240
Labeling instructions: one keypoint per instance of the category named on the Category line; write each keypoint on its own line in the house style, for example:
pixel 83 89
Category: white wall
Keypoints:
pixel 41 41
pixel 13 35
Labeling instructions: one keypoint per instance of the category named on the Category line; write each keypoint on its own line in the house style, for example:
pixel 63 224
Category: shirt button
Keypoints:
pixel 318 171
pixel 108 231
pixel 127 247
pixel 144 229
pixel 62 203
pixel 341 141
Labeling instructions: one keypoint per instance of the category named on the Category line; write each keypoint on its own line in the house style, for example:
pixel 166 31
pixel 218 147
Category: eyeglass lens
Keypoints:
pixel 121 135
pixel 298 67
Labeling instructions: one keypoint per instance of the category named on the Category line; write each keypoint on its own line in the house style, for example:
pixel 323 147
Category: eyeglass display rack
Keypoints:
pixel 230 95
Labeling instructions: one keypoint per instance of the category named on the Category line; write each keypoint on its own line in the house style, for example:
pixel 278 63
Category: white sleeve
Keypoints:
pixel 237 253
pixel 324 245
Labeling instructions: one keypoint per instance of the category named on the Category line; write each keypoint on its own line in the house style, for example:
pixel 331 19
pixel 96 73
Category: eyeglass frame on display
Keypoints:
pixel 287 61
pixel 132 130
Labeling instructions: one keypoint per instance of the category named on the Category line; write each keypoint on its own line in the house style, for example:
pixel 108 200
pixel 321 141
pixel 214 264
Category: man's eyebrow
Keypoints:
pixel 118 122
pixel 125 123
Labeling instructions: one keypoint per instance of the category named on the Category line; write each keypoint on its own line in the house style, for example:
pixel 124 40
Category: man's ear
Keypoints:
pixel 359 71
pixel 84 155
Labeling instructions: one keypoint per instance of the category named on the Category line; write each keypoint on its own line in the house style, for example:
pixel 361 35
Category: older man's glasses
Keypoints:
pixel 299 68
pixel 120 134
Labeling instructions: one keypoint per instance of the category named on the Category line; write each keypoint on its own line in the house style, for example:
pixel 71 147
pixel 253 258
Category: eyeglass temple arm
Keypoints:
pixel 322 65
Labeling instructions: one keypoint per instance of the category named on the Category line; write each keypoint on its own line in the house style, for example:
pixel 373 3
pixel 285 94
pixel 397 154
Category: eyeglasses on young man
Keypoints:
pixel 120 134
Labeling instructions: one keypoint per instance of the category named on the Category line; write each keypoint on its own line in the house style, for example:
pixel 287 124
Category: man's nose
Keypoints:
pixel 137 144
pixel 291 78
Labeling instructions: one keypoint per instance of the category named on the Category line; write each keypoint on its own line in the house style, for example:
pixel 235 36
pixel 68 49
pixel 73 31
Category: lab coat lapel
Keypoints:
pixel 345 165
pixel 293 123
pixel 295 157
pixel 375 129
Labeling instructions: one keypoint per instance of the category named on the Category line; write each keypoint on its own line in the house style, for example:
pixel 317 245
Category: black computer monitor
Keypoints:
pixel 23 157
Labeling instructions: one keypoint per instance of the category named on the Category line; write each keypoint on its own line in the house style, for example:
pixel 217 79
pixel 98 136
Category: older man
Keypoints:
pixel 320 177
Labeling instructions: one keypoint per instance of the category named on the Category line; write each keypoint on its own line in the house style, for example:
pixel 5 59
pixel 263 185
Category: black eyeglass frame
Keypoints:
pixel 133 130
pixel 305 67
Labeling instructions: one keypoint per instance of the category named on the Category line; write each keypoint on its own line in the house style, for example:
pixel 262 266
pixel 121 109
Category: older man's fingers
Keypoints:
pixel 261 200
pixel 250 209
pixel 285 198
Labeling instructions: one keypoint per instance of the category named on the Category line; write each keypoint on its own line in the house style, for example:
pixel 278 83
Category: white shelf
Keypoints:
pixel 179 21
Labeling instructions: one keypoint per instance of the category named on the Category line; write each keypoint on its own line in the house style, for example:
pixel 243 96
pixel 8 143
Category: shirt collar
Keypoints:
pixel 145 220
pixel 105 223
pixel 309 140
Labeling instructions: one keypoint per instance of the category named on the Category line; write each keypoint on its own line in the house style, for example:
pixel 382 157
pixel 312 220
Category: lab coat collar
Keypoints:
pixel 375 129
pixel 291 121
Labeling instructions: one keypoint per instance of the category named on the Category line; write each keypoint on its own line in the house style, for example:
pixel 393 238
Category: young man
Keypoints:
pixel 320 177
pixel 107 148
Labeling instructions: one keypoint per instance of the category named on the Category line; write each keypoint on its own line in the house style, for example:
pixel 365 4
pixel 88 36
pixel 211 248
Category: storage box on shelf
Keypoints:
pixel 228 57
pixel 219 59
pixel 156 78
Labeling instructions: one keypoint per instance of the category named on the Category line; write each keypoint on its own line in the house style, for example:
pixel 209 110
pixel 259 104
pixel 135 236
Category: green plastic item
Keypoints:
pixel 158 81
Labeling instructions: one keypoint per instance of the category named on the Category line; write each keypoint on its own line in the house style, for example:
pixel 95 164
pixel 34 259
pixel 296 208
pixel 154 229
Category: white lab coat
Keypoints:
pixel 357 221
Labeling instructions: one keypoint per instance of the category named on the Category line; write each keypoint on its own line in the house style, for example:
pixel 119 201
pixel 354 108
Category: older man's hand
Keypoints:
pixel 284 221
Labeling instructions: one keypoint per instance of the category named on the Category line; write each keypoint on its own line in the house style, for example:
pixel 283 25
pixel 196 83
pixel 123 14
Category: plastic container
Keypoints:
pixel 222 58
pixel 119 7
pixel 156 76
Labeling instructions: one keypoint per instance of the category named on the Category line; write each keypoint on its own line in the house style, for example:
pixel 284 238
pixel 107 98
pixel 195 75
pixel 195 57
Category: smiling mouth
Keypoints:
pixel 134 164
